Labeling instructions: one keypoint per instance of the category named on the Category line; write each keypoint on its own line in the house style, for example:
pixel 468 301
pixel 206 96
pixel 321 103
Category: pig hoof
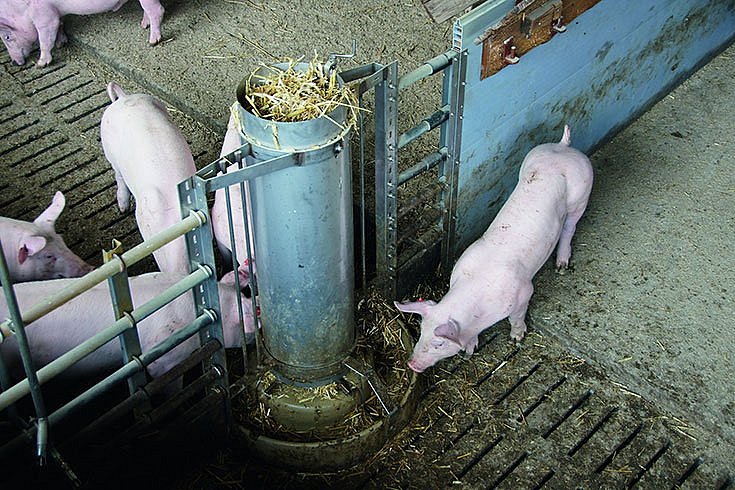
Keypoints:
pixel 517 337
pixel 42 63
pixel 154 40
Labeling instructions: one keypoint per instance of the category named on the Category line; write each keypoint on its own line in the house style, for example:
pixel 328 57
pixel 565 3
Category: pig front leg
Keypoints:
pixel 152 17
pixel 517 317
pixel 60 36
pixel 564 248
pixel 46 40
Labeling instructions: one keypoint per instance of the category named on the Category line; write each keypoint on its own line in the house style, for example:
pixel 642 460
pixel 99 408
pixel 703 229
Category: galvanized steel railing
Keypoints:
pixel 113 270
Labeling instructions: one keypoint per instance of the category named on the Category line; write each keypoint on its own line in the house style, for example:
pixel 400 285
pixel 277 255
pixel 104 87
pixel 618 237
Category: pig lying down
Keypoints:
pixel 150 157
pixel 492 279
pixel 25 22
pixel 34 251
pixel 82 317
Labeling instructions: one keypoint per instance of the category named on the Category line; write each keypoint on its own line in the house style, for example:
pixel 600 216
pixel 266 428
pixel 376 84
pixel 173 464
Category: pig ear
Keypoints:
pixel 49 216
pixel 31 245
pixel 449 330
pixel 420 307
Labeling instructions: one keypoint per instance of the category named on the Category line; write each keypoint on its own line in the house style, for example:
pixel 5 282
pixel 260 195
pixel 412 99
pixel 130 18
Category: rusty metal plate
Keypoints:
pixel 528 24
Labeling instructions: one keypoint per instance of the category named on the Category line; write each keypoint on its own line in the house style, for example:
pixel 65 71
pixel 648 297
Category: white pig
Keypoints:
pixel 492 279
pixel 220 227
pixel 84 316
pixel 25 22
pixel 150 157
pixel 34 251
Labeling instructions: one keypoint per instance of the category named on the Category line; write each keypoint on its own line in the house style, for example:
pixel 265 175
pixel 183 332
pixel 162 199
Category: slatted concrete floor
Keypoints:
pixel 528 416
pixel 508 417
pixel 49 134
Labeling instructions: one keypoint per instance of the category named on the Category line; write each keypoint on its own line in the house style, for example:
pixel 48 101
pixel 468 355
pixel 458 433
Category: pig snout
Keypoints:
pixel 72 266
pixel 415 366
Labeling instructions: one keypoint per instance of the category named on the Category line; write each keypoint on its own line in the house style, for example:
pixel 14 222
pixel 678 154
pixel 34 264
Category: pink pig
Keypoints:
pixel 150 157
pixel 35 251
pixel 492 279
pixel 84 316
pixel 220 227
pixel 23 22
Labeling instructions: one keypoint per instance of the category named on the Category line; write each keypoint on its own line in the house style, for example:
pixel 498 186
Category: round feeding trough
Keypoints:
pixel 326 394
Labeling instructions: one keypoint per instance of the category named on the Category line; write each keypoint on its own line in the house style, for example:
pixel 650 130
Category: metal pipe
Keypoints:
pixel 132 367
pixel 59 365
pixel 26 358
pixel 143 395
pixel 428 162
pixel 429 123
pixel 105 271
pixel 363 246
pixel 434 65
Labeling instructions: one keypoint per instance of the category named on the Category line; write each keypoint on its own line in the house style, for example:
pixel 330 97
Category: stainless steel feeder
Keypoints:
pixel 302 219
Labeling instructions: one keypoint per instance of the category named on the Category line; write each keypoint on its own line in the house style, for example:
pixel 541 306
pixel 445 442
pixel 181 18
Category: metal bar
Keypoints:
pixel 427 163
pixel 430 67
pixel 132 256
pixel 132 367
pixel 386 169
pixel 363 245
pixel 122 303
pixel 143 396
pixel 363 71
pixel 214 168
pixel 450 177
pixel 59 365
pixel 251 172
pixel 27 359
pixel 193 195
pixel 426 125
pixel 5 381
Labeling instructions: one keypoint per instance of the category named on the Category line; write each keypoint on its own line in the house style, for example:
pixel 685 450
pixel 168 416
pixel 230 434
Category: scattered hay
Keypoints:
pixel 381 343
pixel 295 95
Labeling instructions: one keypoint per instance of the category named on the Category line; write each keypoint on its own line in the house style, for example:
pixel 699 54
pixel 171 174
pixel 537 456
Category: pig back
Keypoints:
pixel 144 145
pixel 84 316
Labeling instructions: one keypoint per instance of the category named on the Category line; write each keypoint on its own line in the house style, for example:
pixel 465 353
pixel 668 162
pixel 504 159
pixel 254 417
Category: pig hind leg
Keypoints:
pixel 564 248
pixel 123 193
pixel 152 17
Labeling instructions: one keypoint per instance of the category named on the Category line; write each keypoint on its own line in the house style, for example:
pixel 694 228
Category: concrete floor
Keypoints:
pixel 650 299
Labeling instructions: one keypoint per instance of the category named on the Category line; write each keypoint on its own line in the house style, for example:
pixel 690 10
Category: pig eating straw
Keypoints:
pixel 150 157
pixel 492 279
pixel 34 251
pixel 25 22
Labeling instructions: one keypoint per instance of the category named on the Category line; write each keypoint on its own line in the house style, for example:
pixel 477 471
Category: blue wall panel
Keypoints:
pixel 611 64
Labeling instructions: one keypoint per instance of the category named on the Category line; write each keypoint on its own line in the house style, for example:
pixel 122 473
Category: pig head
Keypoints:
pixel 492 280
pixel 25 22
pixel 34 251
pixel 150 158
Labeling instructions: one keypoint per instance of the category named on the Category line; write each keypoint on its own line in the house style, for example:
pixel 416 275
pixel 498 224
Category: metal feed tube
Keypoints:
pixel 304 243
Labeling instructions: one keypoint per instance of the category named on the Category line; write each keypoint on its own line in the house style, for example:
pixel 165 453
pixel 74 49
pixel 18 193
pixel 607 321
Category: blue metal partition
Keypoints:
pixel 612 63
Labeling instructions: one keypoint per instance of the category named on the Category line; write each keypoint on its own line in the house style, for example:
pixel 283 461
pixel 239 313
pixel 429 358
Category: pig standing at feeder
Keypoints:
pixel 25 22
pixel 220 226
pixel 34 251
pixel 150 157
pixel 492 279
pixel 84 316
